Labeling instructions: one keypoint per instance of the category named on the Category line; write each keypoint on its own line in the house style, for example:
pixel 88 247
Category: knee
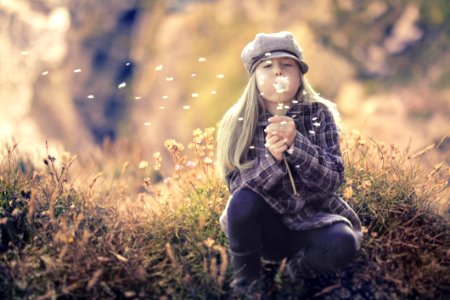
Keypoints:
pixel 343 244
pixel 244 204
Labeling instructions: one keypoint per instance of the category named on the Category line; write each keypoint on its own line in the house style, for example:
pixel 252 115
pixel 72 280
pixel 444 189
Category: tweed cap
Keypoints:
pixel 272 45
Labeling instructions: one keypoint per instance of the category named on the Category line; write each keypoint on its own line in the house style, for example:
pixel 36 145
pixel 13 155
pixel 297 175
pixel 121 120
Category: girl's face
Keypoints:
pixel 267 72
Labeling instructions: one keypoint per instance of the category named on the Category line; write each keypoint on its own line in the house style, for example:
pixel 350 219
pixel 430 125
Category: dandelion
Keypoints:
pixel 77 70
pixel 122 85
pixel 169 78
pixel 195 95
pixel 159 68
pixel 90 96
pixel 44 73
pixel 281 84
pixel 220 76
pixel 201 59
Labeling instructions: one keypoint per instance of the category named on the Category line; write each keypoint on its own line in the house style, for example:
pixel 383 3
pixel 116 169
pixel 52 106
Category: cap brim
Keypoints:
pixel 303 66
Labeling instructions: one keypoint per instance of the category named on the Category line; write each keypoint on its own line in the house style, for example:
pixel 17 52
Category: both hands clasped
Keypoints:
pixel 280 135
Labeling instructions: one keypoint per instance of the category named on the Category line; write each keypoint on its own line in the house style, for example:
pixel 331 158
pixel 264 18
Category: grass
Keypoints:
pixel 134 232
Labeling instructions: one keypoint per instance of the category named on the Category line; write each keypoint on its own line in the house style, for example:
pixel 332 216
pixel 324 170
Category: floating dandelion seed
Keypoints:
pixel 297 166
pixel 195 95
pixel 317 124
pixel 143 164
pixel 77 70
pixel 314 118
pixel 312 132
pixel 213 92
pixel 186 107
pixel 293 116
pixel 127 64
pixel 281 84
pixel 24 52
pixel 165 97
pixel 161 107
pixel 261 94
pixel 287 106
pixel 267 155
pixel 122 85
pixel 201 59
pixel 193 75
pixel 159 68
pixel 147 123
pixel 169 78
pixel 91 97
pixel 267 54
pixel 44 73
pixel 252 147
pixel 137 98
pixel 241 119
pixel 294 101
pixel 220 76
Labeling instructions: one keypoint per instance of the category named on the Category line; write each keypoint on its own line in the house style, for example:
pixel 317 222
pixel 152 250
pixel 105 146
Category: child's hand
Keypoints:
pixel 284 127
pixel 276 146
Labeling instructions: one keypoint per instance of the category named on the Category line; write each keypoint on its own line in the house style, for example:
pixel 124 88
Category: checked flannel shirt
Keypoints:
pixel 316 165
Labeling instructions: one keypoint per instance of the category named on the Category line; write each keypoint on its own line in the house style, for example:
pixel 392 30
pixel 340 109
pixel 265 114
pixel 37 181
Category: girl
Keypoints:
pixel 278 152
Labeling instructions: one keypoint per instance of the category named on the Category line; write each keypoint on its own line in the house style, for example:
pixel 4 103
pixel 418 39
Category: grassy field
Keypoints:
pixel 133 232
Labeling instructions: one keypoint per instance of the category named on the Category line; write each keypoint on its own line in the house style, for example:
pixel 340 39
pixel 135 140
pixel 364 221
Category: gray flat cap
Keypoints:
pixel 272 45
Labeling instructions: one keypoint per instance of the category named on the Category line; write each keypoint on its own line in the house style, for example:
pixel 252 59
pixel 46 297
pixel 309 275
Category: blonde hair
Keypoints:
pixel 238 125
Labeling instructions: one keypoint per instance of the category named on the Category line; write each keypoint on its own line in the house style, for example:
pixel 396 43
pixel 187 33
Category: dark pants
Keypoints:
pixel 252 225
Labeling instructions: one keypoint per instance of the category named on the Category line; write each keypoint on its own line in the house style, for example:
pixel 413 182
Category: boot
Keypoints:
pixel 247 274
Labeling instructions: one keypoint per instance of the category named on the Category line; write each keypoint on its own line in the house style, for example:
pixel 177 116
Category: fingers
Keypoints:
pixel 276 145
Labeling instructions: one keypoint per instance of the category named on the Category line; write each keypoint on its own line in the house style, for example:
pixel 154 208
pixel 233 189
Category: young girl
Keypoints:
pixel 278 152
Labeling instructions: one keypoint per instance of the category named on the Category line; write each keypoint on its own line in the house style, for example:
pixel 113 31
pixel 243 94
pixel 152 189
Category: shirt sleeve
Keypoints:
pixel 262 176
pixel 319 166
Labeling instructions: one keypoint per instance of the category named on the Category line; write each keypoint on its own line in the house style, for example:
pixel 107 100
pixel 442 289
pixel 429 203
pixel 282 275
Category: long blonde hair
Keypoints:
pixel 238 125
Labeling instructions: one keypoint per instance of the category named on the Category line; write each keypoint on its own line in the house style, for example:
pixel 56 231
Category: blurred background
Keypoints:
pixel 79 73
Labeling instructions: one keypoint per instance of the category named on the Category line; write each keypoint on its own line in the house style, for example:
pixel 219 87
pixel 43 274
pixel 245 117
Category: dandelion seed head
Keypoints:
pixel 122 85
pixel 159 68
pixel 281 84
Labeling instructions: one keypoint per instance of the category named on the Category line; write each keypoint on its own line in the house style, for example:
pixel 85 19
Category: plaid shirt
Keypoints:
pixel 316 165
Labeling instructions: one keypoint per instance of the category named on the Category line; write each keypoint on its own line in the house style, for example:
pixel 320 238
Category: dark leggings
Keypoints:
pixel 253 225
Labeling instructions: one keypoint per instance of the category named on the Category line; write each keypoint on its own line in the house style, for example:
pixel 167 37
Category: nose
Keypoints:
pixel 277 69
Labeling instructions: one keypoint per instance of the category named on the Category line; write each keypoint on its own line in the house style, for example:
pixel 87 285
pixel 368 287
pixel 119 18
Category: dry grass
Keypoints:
pixel 127 230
